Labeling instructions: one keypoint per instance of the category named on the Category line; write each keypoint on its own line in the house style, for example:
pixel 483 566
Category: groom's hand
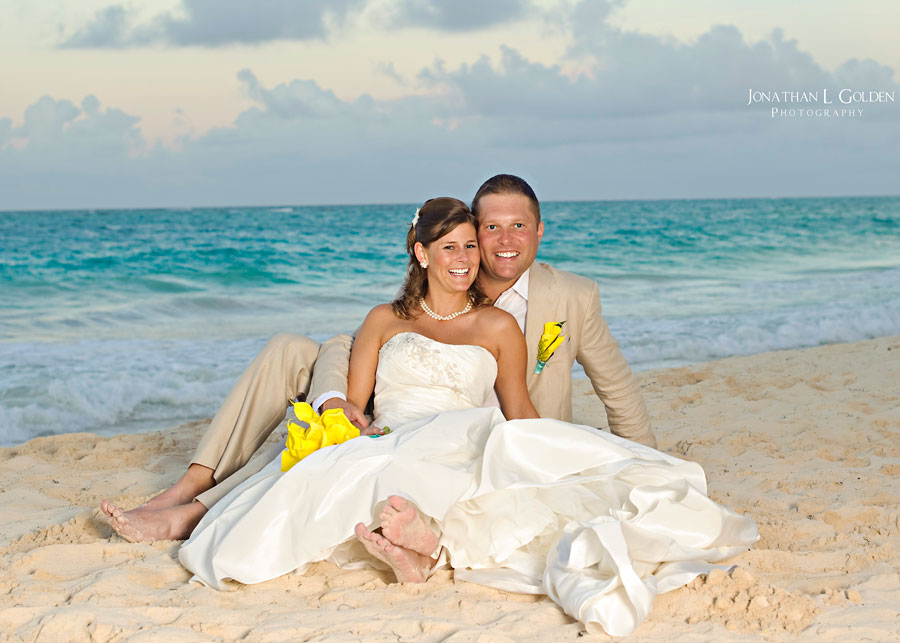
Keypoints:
pixel 353 412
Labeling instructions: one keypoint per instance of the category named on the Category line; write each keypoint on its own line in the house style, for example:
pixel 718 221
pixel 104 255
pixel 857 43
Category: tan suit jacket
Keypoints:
pixel 553 295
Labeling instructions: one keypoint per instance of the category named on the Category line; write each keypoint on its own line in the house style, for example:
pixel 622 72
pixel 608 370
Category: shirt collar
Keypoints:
pixel 521 285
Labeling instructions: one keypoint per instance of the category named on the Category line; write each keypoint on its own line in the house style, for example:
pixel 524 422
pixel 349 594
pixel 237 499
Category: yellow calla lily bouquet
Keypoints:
pixel 332 427
pixel 550 341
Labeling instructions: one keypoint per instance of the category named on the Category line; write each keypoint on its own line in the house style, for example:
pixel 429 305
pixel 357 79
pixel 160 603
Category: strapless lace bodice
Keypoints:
pixel 418 377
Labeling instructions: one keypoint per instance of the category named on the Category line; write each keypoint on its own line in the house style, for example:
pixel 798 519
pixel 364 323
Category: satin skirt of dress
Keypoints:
pixel 599 524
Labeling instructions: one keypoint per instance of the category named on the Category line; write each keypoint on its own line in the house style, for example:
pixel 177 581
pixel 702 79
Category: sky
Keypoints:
pixel 181 103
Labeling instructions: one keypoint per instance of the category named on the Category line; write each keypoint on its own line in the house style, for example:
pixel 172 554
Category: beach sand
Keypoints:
pixel 806 442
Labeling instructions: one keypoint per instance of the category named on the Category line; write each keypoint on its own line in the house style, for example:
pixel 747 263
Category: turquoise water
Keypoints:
pixel 134 319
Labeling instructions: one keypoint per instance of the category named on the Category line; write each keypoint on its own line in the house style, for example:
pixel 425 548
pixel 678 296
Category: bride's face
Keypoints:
pixel 452 259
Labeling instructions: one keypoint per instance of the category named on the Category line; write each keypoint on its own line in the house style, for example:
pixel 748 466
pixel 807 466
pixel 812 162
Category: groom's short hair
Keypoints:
pixel 507 184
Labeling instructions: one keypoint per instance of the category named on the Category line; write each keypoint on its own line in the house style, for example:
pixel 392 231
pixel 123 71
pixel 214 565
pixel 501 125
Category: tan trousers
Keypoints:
pixel 253 409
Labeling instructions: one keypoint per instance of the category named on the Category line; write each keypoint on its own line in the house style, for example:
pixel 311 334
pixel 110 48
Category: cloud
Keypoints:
pixel 390 71
pixel 299 98
pixel 58 124
pixel 864 73
pixel 214 23
pixel 46 120
pixel 5 131
pixel 587 20
pixel 108 27
pixel 459 15
pixel 62 151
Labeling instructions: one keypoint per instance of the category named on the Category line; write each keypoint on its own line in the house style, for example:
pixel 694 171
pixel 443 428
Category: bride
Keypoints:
pixel 598 523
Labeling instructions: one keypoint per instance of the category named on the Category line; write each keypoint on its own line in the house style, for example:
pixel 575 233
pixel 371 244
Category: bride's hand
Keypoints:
pixel 353 412
pixel 372 430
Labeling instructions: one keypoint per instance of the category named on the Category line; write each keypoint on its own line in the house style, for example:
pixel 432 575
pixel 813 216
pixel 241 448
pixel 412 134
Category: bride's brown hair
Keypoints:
pixel 436 218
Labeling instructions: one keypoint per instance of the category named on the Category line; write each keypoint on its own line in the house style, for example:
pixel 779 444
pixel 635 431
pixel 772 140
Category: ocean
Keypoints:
pixel 127 320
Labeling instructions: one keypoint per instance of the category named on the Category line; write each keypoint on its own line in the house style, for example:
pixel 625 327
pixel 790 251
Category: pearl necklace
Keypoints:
pixel 434 315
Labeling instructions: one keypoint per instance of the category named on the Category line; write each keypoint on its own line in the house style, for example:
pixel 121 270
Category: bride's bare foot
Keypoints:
pixel 147 525
pixel 409 566
pixel 402 524
pixel 107 507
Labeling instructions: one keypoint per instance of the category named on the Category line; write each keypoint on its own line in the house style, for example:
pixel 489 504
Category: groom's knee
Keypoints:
pixel 297 354
pixel 285 343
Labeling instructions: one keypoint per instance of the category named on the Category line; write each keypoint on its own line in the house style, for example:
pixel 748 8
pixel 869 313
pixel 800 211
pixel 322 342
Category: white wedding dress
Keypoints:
pixel 598 523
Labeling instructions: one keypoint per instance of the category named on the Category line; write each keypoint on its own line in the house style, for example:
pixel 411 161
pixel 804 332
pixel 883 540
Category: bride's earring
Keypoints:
pixel 424 264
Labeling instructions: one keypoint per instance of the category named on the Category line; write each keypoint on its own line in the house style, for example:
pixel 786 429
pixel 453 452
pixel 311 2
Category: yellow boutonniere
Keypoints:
pixel 550 341
pixel 332 427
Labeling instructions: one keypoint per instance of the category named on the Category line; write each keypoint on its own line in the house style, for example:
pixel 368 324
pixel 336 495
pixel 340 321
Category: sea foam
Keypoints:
pixel 114 386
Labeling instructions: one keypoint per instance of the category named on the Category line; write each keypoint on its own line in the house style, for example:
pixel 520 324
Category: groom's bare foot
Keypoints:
pixel 195 481
pixel 148 525
pixel 409 566
pixel 402 524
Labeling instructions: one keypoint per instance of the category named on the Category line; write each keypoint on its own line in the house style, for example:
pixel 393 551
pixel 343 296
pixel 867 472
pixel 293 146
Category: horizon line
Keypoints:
pixel 414 203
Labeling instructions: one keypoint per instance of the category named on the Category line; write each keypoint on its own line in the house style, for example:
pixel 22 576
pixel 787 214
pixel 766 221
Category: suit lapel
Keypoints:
pixel 542 305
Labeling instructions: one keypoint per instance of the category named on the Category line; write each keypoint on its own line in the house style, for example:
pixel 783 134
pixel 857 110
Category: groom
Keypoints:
pixel 509 233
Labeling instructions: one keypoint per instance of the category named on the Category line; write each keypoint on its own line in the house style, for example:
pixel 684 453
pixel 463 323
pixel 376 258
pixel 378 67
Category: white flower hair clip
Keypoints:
pixel 416 217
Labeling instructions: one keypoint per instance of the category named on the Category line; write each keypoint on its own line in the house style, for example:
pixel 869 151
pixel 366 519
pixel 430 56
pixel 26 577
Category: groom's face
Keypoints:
pixel 508 236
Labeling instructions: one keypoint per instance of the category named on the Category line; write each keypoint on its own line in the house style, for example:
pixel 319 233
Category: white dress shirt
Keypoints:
pixel 515 300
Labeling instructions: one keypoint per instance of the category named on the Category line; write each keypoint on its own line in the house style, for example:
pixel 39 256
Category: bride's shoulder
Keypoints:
pixel 381 312
pixel 497 319
pixel 380 318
